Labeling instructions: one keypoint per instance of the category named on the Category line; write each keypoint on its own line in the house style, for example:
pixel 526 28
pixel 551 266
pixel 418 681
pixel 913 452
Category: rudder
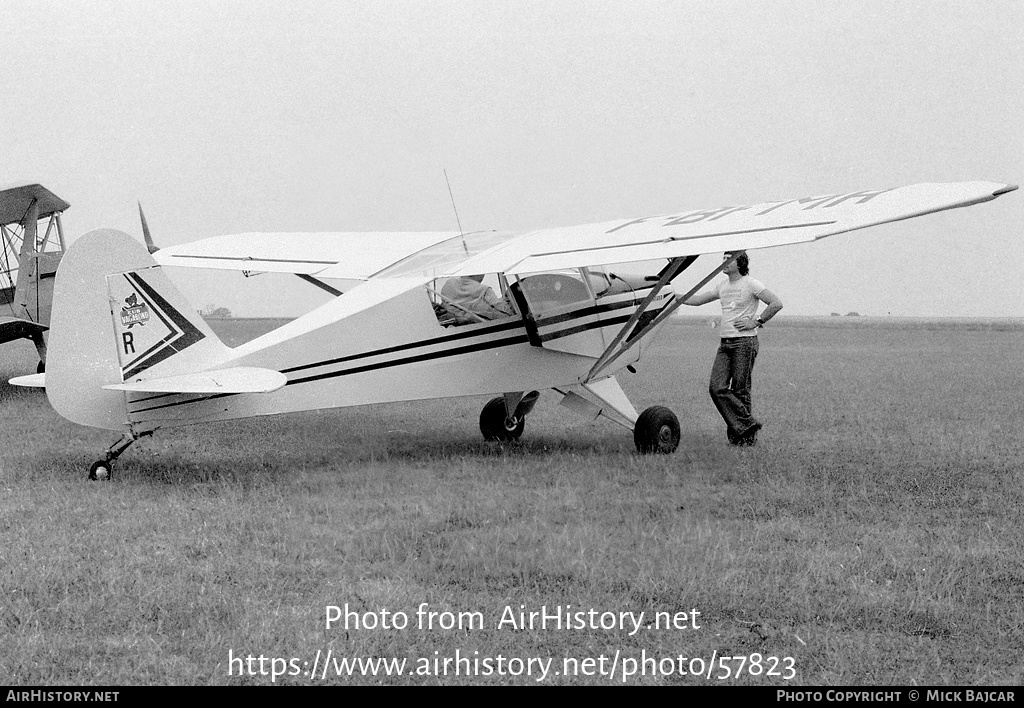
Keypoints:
pixel 118 318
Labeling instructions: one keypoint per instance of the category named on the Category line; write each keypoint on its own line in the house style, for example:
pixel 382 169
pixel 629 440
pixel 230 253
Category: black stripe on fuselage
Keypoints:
pixel 483 346
pixel 585 312
pixel 588 312
pixel 503 327
pixel 402 361
pixel 480 346
pixel 456 351
pixel 584 327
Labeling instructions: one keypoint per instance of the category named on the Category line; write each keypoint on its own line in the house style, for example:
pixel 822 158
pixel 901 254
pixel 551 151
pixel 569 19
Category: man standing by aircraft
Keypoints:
pixel 732 373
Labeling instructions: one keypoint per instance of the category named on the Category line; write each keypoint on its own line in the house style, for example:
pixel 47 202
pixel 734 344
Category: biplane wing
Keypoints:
pixel 28 261
pixel 12 328
pixel 15 203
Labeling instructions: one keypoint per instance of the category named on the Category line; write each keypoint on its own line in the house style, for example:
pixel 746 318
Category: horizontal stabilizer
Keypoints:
pixel 31 381
pixel 239 379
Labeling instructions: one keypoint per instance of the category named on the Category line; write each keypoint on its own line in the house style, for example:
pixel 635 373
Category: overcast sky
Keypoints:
pixel 226 117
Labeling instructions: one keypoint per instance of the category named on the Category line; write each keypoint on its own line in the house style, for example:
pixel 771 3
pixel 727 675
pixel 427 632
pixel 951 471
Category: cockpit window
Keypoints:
pixel 470 299
pixel 551 292
pixel 447 253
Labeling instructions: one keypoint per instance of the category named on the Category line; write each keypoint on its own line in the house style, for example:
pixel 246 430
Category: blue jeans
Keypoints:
pixel 731 381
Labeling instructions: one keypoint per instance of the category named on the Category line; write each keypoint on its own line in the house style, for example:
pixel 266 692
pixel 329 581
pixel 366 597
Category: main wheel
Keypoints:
pixel 100 471
pixel 656 430
pixel 496 425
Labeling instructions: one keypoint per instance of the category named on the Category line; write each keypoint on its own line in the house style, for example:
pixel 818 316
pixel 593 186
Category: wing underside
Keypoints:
pixel 725 228
pixel 360 256
pixel 354 256
pixel 12 328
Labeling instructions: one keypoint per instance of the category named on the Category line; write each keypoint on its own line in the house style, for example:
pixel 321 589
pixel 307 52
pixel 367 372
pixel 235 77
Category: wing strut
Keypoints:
pixel 677 266
pixel 27 270
pixel 320 284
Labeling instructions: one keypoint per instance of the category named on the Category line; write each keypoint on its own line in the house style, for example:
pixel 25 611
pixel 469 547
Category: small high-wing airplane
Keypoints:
pixel 128 353
pixel 30 259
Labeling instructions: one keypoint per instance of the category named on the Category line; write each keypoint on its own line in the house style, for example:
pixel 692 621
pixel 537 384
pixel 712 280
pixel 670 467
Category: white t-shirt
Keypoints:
pixel 739 299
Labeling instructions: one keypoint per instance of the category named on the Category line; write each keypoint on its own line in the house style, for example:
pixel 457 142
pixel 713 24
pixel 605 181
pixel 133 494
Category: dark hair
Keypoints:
pixel 742 262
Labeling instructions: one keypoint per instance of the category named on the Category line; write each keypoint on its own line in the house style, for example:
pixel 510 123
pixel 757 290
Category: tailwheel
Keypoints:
pixel 100 471
pixel 656 430
pixel 496 425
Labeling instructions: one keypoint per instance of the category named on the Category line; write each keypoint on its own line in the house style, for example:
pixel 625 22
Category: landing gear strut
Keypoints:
pixel 102 470
pixel 40 343
pixel 496 424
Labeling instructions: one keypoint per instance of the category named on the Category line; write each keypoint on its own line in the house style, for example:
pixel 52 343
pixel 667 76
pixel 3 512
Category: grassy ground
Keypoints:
pixel 873 535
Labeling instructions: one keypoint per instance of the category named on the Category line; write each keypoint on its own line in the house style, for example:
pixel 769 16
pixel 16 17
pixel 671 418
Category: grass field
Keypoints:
pixel 872 537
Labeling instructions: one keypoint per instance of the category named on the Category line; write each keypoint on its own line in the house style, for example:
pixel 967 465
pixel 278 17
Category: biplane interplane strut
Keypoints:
pixel 30 259
pixel 128 353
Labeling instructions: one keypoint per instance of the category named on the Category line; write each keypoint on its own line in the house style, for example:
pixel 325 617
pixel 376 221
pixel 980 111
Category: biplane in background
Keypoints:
pixel 30 259
pixel 128 353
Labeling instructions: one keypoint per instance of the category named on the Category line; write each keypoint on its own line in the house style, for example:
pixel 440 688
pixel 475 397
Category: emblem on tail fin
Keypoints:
pixel 134 312
pixel 146 346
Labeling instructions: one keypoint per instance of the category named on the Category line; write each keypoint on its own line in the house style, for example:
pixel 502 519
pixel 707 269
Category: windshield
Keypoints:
pixel 449 252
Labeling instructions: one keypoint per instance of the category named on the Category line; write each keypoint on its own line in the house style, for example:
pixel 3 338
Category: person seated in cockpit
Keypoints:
pixel 469 300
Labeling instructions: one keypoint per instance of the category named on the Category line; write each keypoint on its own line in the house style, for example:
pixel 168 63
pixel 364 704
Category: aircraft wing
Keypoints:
pixel 15 201
pixel 12 328
pixel 359 256
pixel 354 256
pixel 728 228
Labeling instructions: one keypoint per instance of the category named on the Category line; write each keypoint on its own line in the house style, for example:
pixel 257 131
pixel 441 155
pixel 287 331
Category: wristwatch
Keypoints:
pixel 760 322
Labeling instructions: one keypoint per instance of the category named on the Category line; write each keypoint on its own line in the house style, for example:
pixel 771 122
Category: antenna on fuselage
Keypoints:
pixel 464 248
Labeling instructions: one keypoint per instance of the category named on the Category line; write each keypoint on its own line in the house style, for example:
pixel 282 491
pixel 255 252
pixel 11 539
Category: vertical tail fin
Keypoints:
pixel 118 318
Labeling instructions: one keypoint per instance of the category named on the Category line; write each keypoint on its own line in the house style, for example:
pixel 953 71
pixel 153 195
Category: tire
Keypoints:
pixel 100 471
pixel 494 424
pixel 656 431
